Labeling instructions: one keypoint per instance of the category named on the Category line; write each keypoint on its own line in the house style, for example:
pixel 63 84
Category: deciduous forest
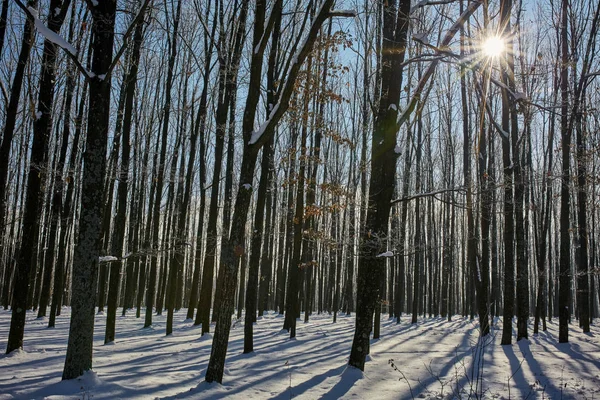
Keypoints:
pixel 299 198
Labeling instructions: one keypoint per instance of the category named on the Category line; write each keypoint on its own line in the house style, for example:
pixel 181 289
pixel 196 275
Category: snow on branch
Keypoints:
pixel 343 13
pixel 262 44
pixel 49 34
pixel 53 37
pixel 260 135
pixel 424 3
pixel 517 96
pixel 58 40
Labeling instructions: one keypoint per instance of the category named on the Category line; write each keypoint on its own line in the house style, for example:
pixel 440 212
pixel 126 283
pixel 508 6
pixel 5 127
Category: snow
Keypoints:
pixel 38 115
pixel 258 133
pixel 421 37
pixel 398 149
pixel 519 96
pixel 107 259
pixel 348 13
pixel 386 254
pixel 434 356
pixel 247 186
pixel 50 35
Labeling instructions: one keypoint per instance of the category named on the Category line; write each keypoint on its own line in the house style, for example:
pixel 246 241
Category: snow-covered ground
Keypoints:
pixel 434 359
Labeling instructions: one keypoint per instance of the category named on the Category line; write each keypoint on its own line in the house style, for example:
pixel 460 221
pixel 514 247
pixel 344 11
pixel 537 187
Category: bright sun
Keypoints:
pixel 493 46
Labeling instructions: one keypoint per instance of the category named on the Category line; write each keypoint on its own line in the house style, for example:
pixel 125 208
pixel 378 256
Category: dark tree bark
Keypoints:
pixel 42 130
pixel 176 267
pixel 235 243
pixel 259 216
pixel 228 68
pixel 564 278
pixel 58 207
pixel 543 238
pixel 87 249
pixel 522 269
pixel 474 264
pixel 21 277
pixel 292 308
pixel 509 223
pixel 482 274
pixel 200 130
pixel 383 167
pixel 3 17
pixel 32 196
pixel 151 290
pixel 118 240
pixel 419 244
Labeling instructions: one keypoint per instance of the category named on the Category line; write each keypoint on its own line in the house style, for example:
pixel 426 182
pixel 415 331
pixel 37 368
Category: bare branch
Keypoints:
pixel 137 20
pixel 54 38
pixel 428 194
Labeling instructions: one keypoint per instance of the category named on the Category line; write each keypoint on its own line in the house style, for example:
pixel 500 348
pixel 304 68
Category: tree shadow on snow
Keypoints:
pixel 348 378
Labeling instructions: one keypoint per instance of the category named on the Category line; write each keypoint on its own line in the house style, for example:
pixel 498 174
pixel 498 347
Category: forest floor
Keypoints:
pixel 434 359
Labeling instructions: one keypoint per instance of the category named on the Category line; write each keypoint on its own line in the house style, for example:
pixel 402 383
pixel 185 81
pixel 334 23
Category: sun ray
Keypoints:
pixel 493 46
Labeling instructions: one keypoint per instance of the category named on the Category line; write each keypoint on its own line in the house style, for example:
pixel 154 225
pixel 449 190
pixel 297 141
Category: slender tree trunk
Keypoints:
pixel 118 240
pixel 32 196
pixel 509 224
pixel 151 291
pixel 21 276
pixel 564 278
pixel 383 166
pixel 42 132
pixel 58 207
pixel 234 244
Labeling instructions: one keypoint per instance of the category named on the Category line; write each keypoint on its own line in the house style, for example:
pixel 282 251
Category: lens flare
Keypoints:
pixel 493 46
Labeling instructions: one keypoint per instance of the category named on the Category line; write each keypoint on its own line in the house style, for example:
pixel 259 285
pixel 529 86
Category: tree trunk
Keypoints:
pixel 226 79
pixel 21 277
pixel 87 249
pixel 509 224
pixel 118 240
pixel 564 278
pixel 383 167
pixel 32 196
pixel 235 243
pixel 150 294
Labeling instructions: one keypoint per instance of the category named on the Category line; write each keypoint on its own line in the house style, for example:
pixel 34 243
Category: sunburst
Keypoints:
pixel 493 46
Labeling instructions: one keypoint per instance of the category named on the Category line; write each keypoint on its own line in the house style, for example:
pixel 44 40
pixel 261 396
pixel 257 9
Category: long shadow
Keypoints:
pixel 316 380
pixel 348 379
pixel 75 389
pixel 516 369
pixel 550 344
pixel 421 389
pixel 298 360
pixel 535 367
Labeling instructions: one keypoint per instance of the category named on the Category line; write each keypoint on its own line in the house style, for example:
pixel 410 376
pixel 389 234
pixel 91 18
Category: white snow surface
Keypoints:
pixel 107 259
pixel 434 355
pixel 386 254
